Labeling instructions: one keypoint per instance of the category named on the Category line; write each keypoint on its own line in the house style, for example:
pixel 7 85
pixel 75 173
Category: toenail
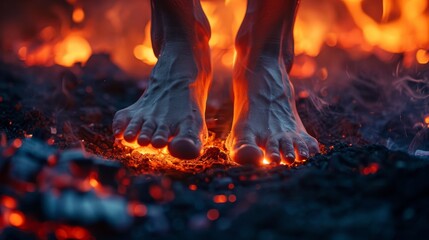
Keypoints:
pixel 290 155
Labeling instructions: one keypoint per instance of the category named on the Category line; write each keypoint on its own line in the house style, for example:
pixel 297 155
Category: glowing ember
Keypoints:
pixel 220 198
pixel 78 15
pixel 68 232
pixel 17 143
pixel 158 159
pixel 213 214
pixel 93 182
pixel 8 202
pixel 137 209
pixel 193 187
pixel 265 161
pixel 370 169
pixel 16 219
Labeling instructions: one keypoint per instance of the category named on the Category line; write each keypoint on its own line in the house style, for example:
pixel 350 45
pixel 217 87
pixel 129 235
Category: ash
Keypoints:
pixel 63 177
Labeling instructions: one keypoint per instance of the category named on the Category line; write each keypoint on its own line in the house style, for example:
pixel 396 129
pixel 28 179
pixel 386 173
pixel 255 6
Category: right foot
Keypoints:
pixel 266 122
pixel 170 112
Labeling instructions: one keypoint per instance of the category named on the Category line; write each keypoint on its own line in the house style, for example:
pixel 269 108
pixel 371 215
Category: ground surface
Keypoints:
pixel 63 189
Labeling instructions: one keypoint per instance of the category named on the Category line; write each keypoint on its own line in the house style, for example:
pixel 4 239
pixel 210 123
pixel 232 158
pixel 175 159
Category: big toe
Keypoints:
pixel 248 154
pixel 184 148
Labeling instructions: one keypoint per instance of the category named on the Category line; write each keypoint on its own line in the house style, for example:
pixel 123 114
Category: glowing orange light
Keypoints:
pixel 22 53
pixel 16 219
pixel 79 233
pixel 213 214
pixel 232 198
pixel 427 119
pixel 265 161
pixel 371 169
pixel 303 94
pixel 422 56
pixel 303 69
pixel 60 233
pixel 403 34
pixel 193 187
pixel 144 51
pixel 93 182
pixel 9 202
pixel 17 143
pixel 47 33
pixel 137 209
pixel 71 50
pixel 78 15
pixel 220 198
pixel 50 141
pixel 225 18
pixel 156 192
pixel 323 73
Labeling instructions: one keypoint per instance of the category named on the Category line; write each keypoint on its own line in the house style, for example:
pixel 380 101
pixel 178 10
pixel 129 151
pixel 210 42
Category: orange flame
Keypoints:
pixel 144 51
pixel 16 219
pixel 78 15
pixel 402 26
pixel 406 33
pixel 72 49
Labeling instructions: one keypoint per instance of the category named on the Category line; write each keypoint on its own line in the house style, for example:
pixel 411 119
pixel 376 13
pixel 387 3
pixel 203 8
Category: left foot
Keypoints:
pixel 266 123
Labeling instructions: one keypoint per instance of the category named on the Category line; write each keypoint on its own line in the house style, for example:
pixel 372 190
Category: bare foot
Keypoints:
pixel 266 122
pixel 170 112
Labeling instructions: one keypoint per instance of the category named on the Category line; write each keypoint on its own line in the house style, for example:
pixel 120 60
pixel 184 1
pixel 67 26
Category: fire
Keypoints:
pixel 404 34
pixel 9 202
pixel 265 161
pixel 316 27
pixel 221 198
pixel 144 51
pixel 370 169
pixel 72 49
pixel 394 26
pixel 225 18
pixel 213 153
pixel 422 56
pixel 93 182
pixel 78 15
pixel 16 219
pixel 137 209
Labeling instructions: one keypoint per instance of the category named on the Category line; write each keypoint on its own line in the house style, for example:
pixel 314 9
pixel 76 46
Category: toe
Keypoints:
pixel 272 152
pixel 160 137
pixel 133 129
pixel 301 148
pixel 312 144
pixel 287 149
pixel 247 152
pixel 184 148
pixel 146 133
pixel 120 122
pixel 186 144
